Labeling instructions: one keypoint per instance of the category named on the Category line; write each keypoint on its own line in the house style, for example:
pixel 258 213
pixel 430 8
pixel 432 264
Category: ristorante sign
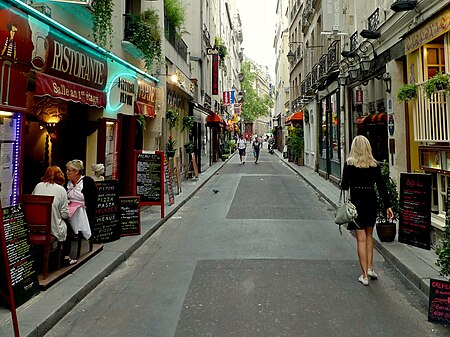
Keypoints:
pixel 32 46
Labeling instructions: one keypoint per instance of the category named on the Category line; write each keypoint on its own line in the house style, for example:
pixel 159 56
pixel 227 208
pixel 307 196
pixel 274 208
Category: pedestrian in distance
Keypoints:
pixel 360 175
pixel 256 147
pixel 242 145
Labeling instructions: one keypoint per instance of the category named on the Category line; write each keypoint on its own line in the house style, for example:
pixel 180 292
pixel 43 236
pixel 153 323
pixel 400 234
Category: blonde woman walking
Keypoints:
pixel 361 173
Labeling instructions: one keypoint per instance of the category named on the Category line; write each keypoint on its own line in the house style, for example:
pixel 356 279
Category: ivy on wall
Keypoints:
pixel 102 22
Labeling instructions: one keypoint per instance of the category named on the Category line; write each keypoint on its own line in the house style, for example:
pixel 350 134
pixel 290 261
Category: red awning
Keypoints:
pixel 294 118
pixel 215 119
pixel 55 87
pixel 144 109
pixel 373 119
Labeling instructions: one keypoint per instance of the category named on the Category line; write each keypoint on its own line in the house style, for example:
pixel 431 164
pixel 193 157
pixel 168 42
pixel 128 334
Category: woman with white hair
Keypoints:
pixel 82 195
pixel 361 173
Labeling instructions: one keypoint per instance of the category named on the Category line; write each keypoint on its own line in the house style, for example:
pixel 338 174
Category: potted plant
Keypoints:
pixel 170 147
pixel 172 117
pixel 297 144
pixel 386 229
pixel 188 123
pixel 443 248
pixel 407 92
pixel 437 83
pixel 189 147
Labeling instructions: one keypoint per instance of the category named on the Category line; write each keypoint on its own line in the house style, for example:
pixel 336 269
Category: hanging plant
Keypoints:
pixel 188 123
pixel 221 48
pixel 143 31
pixel 172 117
pixel 102 22
pixel 407 92
pixel 437 83
pixel 141 122
pixel 189 147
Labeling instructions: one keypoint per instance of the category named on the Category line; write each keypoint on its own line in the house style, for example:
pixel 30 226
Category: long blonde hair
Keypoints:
pixel 361 153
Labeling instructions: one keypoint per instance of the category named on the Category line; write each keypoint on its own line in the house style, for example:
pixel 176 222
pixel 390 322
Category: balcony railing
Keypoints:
pixel 431 118
pixel 177 43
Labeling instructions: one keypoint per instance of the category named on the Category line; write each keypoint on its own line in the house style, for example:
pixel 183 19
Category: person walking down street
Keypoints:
pixel 242 144
pixel 360 174
pixel 256 147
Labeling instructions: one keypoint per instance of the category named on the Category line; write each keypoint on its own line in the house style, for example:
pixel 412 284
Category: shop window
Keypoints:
pixel 334 129
pixel 111 150
pixel 440 183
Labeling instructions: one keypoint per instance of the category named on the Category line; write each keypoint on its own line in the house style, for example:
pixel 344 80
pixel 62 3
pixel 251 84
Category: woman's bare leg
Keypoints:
pixel 369 246
pixel 362 250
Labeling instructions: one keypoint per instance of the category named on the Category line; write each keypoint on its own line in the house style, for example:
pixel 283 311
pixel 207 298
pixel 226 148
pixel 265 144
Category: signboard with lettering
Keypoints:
pixel 439 302
pixel 21 264
pixel 130 219
pixel 107 218
pixel 415 209
pixel 215 75
pixel 149 178
pixel 332 15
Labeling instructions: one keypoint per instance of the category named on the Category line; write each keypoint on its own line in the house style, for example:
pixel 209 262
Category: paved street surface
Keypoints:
pixel 261 257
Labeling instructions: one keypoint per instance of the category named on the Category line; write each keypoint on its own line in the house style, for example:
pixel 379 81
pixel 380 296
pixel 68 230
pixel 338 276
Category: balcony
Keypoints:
pixel 431 118
pixel 177 43
pixel 333 57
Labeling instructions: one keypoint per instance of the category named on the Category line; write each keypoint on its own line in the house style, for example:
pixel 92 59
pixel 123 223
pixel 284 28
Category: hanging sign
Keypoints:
pixel 215 75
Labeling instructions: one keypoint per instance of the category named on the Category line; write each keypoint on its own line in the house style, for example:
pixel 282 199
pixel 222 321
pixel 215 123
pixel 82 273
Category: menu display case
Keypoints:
pixel 434 159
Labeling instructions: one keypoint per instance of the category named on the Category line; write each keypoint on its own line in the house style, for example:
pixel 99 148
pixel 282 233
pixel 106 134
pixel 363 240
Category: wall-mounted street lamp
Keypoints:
pixel 362 53
pixel 290 55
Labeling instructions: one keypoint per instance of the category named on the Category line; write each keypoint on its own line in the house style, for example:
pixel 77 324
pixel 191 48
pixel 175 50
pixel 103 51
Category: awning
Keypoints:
pixel 144 109
pixel 51 86
pixel 215 119
pixel 296 117
pixel 373 119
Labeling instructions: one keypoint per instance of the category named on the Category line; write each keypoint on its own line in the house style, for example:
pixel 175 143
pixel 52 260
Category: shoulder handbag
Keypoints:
pixel 345 212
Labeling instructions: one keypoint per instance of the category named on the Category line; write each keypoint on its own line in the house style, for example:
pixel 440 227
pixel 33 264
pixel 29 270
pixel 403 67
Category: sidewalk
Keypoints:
pixel 42 312
pixel 418 265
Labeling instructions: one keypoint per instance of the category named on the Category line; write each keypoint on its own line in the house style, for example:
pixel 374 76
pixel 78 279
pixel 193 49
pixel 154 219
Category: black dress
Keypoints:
pixel 361 182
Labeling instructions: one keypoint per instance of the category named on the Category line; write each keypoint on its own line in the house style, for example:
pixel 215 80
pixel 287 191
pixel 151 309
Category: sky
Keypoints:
pixel 258 27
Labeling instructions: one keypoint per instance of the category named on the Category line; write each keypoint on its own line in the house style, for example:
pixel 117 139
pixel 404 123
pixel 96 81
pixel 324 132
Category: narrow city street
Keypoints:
pixel 254 253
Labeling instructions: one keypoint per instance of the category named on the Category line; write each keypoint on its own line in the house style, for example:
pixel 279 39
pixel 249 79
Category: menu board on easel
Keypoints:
pixel 130 219
pixel 169 182
pixel 439 302
pixel 107 217
pixel 149 178
pixel 17 249
pixel 415 209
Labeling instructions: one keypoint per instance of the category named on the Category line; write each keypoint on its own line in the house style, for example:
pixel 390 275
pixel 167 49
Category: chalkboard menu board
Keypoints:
pixel 21 263
pixel 149 178
pixel 439 302
pixel 169 182
pixel 130 220
pixel 107 217
pixel 415 209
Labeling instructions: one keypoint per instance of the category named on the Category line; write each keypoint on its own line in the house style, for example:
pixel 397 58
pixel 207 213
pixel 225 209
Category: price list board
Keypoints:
pixel 439 302
pixel 130 219
pixel 169 182
pixel 21 264
pixel 107 216
pixel 415 210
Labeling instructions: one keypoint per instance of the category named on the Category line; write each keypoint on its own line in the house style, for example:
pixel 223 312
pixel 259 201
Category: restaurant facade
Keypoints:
pixel 63 97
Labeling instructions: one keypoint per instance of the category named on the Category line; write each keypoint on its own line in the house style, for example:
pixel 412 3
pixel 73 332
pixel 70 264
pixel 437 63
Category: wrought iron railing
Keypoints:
pixel 374 20
pixel 177 42
pixel 354 41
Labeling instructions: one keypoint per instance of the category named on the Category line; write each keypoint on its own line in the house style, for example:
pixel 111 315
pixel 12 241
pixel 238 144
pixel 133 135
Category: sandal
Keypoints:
pixel 69 262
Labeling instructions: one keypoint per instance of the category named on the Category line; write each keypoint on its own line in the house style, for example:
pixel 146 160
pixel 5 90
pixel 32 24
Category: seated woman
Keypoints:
pixel 82 195
pixel 52 184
